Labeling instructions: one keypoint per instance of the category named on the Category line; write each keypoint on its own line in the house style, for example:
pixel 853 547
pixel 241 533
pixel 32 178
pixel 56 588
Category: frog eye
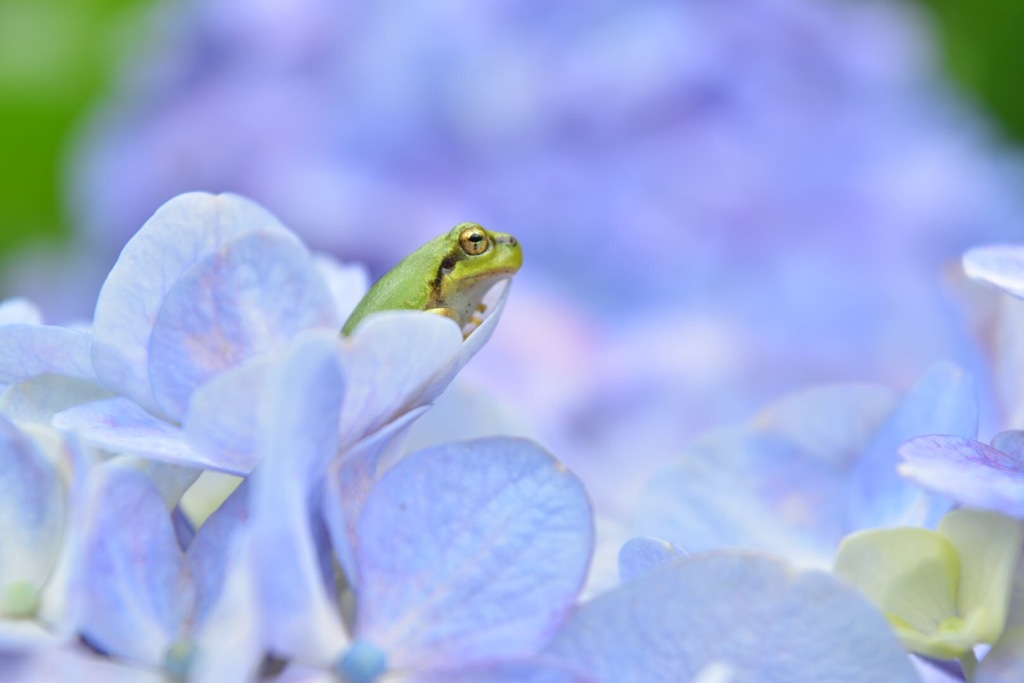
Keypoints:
pixel 474 241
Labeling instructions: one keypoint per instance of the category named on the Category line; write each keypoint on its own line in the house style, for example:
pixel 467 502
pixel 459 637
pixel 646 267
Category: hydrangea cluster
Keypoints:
pixel 720 201
pixel 767 185
pixel 334 552
pixel 206 481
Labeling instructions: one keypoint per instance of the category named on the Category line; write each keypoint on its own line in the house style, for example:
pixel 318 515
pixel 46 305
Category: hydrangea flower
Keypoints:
pixel 215 345
pixel 804 190
pixel 808 470
pixel 436 596
pixel 207 290
pixel 146 601
pixel 459 556
pixel 207 283
pixel 185 605
pixel 205 300
pixel 431 574
pixel 466 559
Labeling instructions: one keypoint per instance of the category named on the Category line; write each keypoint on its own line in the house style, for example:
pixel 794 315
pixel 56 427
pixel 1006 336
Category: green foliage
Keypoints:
pixel 983 41
pixel 56 57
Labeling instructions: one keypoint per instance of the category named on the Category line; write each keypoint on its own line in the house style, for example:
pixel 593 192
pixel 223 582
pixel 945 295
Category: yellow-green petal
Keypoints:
pixel 912 575
pixel 988 545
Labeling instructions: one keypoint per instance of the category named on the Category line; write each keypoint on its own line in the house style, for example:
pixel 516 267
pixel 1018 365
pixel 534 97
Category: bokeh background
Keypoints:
pixel 720 200
pixel 60 60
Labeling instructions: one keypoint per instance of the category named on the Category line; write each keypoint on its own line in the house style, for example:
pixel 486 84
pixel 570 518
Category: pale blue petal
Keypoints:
pixel 68 663
pixel 298 437
pixel 229 634
pixel 834 421
pixel 299 411
pixel 480 336
pixel 352 478
pixel 639 556
pixel 469 552
pixel 967 471
pixel 40 398
pixel 505 672
pixel 181 233
pixel 32 511
pixel 250 297
pixel 19 311
pixel 466 410
pixel 62 598
pixel 138 593
pixel 396 361
pixel 944 401
pixel 347 282
pixel 30 350
pixel 742 489
pixel 171 481
pixel 184 531
pixel 752 614
pixel 1000 265
pixel 222 413
pixel 119 425
pixel 209 551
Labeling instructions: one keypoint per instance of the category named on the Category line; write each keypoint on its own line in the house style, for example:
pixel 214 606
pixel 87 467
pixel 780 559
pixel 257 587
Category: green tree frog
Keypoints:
pixel 448 275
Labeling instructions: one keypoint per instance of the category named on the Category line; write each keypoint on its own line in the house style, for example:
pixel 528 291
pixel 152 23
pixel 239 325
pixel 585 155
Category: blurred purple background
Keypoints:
pixel 718 199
